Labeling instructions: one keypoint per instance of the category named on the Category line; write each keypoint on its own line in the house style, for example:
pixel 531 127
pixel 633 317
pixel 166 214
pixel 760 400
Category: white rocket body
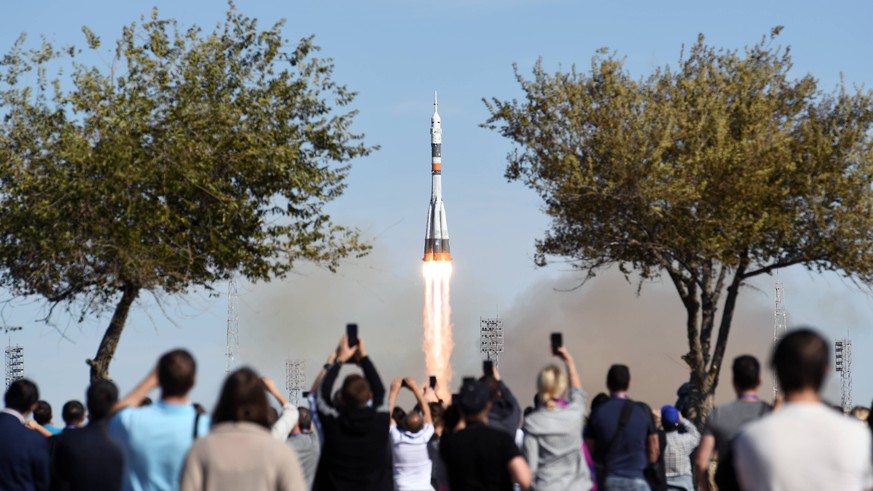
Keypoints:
pixel 436 237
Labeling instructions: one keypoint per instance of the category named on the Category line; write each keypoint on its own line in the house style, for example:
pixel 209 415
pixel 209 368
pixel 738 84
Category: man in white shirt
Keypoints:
pixel 805 445
pixel 412 464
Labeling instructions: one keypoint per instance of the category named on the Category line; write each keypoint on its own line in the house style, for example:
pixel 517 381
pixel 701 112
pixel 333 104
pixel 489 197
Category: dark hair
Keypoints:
pixel 21 395
pixel 242 399
pixel 398 414
pixel 73 413
pixel 100 398
pixel 42 413
pixel 176 370
pixel 618 378
pixel 355 391
pixel 747 372
pixel 598 400
pixel 437 413
pixel 304 420
pixel 801 360
pixel 493 384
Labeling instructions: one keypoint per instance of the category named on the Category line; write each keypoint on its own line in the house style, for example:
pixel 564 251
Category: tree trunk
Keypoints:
pixel 700 398
pixel 100 364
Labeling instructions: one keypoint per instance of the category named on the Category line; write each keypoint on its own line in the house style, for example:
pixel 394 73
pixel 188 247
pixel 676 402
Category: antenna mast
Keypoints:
pixel 232 351
pixel 780 325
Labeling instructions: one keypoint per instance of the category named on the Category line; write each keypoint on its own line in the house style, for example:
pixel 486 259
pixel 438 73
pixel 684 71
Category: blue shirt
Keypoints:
pixel 631 451
pixel 155 440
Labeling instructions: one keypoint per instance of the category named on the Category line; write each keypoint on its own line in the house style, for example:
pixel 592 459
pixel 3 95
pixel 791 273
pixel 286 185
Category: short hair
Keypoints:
pixel 551 385
pixel 618 378
pixel 42 413
pixel 304 420
pixel 73 413
pixel 493 385
pixel 801 360
pixel 21 395
pixel 747 372
pixel 355 391
pixel 598 400
pixel 242 399
pixel 414 422
pixel 176 370
pixel 100 397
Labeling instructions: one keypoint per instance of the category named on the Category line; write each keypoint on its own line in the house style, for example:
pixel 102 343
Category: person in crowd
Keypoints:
pixel 73 414
pixel 505 413
pixel 412 465
pixel 88 459
pixel 355 453
pixel 282 426
pixel 240 452
pixel 479 456
pixel 553 432
pixel 861 413
pixel 622 436
pixel 804 445
pixel 439 477
pixel 726 421
pixel 306 443
pixel 155 438
pixel 682 438
pixel 42 414
pixel 24 453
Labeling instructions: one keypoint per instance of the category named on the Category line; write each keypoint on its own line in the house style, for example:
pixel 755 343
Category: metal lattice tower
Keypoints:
pixel 491 338
pixel 843 363
pixel 232 351
pixel 295 379
pixel 14 364
pixel 780 324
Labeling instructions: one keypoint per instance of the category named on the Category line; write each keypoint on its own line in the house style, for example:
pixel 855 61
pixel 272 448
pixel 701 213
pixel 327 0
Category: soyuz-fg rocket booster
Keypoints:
pixel 436 237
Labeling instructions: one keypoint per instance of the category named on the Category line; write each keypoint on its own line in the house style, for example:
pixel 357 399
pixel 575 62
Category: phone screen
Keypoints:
pixel 352 333
pixel 557 341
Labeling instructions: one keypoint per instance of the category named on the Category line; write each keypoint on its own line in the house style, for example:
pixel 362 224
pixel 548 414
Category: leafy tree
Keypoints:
pixel 191 157
pixel 712 173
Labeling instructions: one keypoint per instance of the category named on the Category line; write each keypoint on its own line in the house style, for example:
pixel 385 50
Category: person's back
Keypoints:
pixel 24 453
pixel 805 445
pixel 682 439
pixel 726 421
pixel 155 438
pixel 305 442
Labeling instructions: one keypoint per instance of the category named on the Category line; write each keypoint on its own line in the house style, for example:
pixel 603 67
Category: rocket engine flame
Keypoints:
pixel 438 342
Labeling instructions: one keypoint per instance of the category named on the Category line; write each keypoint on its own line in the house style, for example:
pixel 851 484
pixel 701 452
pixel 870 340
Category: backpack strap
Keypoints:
pixel 622 424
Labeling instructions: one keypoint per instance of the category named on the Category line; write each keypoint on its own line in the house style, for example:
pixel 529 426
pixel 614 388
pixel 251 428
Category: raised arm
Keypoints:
pixel 135 397
pixel 343 354
pixel 572 373
pixel 288 419
pixel 419 396
pixel 392 398
pixel 370 374
pixel 331 359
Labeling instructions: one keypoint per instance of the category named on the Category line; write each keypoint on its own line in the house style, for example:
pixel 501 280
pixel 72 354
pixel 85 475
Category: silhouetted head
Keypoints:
pixel 414 422
pixel 493 386
pixel 304 420
pixel 176 372
pixel 598 400
pixel 551 385
pixel 801 360
pixel 618 378
pixel 355 392
pixel 100 398
pixel 747 373
pixel 242 399
pixel 42 413
pixel 21 396
pixel 437 414
pixel 73 413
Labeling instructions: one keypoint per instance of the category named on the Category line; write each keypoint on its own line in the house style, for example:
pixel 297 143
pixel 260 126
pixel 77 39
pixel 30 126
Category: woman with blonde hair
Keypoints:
pixel 553 433
pixel 239 452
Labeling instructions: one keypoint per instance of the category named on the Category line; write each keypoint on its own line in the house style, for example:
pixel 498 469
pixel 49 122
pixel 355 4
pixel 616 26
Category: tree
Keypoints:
pixel 192 157
pixel 711 174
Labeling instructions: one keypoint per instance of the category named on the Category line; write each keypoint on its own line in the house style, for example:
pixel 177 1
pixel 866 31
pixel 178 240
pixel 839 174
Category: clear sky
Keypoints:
pixel 395 54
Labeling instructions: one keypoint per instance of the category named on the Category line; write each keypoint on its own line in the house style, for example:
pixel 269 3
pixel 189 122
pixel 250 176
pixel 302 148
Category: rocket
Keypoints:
pixel 436 236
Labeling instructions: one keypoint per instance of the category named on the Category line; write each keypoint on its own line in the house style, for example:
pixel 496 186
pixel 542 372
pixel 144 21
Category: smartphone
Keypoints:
pixel 352 333
pixel 488 368
pixel 432 381
pixel 305 394
pixel 468 380
pixel 404 384
pixel 557 342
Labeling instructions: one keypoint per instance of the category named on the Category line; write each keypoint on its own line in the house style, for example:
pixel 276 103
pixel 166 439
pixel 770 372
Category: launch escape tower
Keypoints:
pixel 14 363
pixel 491 338
pixel 232 351
pixel 295 379
pixel 780 325
pixel 843 366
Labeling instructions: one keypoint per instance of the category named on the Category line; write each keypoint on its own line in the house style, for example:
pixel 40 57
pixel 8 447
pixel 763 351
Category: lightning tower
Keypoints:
pixel 780 324
pixel 14 363
pixel 295 379
pixel 491 338
pixel 843 366
pixel 232 351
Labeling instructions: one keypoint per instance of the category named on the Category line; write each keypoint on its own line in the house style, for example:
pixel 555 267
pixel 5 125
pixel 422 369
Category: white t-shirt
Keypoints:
pixel 412 463
pixel 804 446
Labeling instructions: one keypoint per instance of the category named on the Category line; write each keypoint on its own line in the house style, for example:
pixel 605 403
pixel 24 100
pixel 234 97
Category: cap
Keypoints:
pixel 474 397
pixel 669 415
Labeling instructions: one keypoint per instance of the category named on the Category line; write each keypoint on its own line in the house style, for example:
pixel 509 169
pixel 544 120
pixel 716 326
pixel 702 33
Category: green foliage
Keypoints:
pixel 712 172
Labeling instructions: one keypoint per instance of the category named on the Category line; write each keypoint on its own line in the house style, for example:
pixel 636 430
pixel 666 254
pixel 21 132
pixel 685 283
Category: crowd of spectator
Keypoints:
pixel 358 438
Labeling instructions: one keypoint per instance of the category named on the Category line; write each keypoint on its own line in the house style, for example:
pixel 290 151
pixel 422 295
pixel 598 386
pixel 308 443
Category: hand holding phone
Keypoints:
pixel 557 342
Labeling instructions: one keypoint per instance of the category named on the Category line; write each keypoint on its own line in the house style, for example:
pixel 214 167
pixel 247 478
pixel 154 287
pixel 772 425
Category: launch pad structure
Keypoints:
pixel 231 352
pixel 843 366
pixel 491 338
pixel 295 379
pixel 780 324
pixel 14 363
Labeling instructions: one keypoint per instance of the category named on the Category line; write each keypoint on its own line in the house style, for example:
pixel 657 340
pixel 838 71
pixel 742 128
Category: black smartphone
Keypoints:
pixel 557 341
pixel 305 394
pixel 432 381
pixel 404 384
pixel 468 380
pixel 352 333
pixel 488 368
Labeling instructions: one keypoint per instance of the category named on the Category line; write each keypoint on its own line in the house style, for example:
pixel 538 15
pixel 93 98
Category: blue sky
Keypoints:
pixel 395 54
